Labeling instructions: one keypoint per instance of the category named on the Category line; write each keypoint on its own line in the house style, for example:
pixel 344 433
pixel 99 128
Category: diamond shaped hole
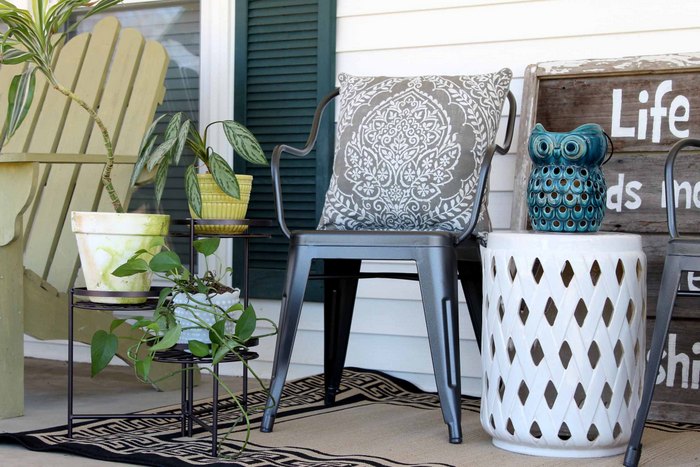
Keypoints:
pixel 564 432
pixel 608 309
pixel 493 425
pixel 509 427
pixel 537 270
pixel 565 354
pixel 493 267
pixel 535 430
pixel 511 350
pixel 493 348
pixel 636 349
pixel 593 433
pixel 606 395
pixel 501 308
pixel 593 354
pixel 550 394
pixel 620 271
pixel 617 431
pixel 486 380
pixel 595 272
pixel 501 388
pixel 550 311
pixel 536 352
pixel 524 311
pixel 640 270
pixel 628 393
pixel 630 311
pixel 619 352
pixel 581 312
pixel 512 269
pixel 567 274
pixel 580 395
pixel 523 392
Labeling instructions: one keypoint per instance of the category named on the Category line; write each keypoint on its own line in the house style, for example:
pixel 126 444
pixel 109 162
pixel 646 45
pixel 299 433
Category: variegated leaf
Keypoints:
pixel 161 177
pixel 223 175
pixel 244 143
pixel 19 100
pixel 194 195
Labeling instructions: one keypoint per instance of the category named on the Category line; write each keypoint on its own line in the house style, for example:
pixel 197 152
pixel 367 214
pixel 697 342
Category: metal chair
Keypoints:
pixel 682 254
pixel 440 258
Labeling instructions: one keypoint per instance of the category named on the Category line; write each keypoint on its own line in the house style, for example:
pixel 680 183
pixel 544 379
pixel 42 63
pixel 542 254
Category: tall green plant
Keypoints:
pixel 33 37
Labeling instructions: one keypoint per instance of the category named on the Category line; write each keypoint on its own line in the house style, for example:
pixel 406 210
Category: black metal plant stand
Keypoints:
pixel 79 298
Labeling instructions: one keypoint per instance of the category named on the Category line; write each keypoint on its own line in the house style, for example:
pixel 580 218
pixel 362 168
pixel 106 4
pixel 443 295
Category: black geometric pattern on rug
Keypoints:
pixel 157 442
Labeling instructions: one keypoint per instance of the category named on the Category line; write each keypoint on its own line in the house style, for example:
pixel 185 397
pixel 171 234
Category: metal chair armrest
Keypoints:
pixel 668 180
pixel 486 168
pixel 298 152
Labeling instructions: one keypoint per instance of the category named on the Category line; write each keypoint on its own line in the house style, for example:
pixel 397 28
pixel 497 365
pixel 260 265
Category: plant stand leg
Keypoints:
pixel 17 184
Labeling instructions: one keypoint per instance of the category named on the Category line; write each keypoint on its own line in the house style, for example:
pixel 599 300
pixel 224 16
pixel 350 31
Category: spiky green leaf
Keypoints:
pixel 161 178
pixel 244 143
pixel 19 100
pixel 176 152
pixel 223 175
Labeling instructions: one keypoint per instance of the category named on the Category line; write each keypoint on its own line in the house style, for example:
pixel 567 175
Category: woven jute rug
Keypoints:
pixel 377 421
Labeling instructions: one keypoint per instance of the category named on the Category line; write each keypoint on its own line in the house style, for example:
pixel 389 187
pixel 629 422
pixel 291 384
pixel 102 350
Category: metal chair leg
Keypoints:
pixel 670 279
pixel 472 283
pixel 338 306
pixel 292 300
pixel 437 272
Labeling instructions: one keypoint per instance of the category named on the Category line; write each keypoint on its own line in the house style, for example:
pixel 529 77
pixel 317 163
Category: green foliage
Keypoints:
pixel 181 133
pixel 32 37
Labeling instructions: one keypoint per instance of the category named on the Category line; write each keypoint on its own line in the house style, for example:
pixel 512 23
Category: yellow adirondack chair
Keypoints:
pixel 51 167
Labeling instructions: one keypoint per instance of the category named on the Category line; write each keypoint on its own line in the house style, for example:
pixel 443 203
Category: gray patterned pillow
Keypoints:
pixel 408 151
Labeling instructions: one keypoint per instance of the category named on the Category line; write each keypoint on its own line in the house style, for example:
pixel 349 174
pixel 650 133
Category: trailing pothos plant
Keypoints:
pixel 163 329
pixel 33 37
pixel 180 133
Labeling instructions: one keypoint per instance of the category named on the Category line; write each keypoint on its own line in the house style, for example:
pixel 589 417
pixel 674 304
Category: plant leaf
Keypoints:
pixel 194 196
pixel 181 139
pixel 19 100
pixel 245 326
pixel 165 261
pixel 149 135
pixel 198 348
pixel 103 347
pixel 244 143
pixel 165 291
pixel 159 153
pixel 206 246
pixel 161 178
pixel 223 175
pixel 131 267
pixel 143 367
pixel 115 324
pixel 218 331
pixel 169 339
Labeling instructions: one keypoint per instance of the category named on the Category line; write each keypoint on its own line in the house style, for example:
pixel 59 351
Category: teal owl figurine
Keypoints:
pixel 566 191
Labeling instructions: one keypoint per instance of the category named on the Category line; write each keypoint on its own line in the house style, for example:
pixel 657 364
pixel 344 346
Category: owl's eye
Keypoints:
pixel 543 146
pixel 573 147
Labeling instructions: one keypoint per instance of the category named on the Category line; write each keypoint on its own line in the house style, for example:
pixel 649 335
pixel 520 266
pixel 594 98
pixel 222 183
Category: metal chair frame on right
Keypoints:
pixel 682 254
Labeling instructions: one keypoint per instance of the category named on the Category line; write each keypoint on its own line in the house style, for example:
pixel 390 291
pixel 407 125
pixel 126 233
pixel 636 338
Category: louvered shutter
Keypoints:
pixel 285 63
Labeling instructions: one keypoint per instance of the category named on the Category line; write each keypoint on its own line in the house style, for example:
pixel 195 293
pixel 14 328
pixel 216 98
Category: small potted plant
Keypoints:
pixel 200 314
pixel 217 194
pixel 34 37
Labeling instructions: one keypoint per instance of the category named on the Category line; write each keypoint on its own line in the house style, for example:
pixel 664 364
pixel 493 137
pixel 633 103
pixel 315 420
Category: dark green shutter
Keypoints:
pixel 284 64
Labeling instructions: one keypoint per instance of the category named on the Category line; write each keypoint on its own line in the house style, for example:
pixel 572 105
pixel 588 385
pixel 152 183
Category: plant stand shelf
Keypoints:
pixel 79 298
pixel 187 415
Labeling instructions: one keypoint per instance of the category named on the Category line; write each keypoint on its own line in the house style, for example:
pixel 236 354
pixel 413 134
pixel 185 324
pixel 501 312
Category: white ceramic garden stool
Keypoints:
pixel 562 341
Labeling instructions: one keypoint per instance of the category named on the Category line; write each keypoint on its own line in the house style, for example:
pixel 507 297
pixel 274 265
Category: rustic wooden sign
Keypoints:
pixel 645 104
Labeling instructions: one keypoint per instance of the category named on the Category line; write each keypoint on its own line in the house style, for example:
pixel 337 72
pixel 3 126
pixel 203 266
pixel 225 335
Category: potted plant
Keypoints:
pixel 200 313
pixel 217 194
pixel 33 37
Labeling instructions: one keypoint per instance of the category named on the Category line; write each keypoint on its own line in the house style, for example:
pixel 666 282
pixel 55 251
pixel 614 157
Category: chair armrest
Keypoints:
pixel 486 167
pixel 53 158
pixel 668 180
pixel 282 148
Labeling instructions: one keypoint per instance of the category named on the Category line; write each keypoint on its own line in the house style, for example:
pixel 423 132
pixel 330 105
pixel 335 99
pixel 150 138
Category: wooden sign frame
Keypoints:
pixel 534 74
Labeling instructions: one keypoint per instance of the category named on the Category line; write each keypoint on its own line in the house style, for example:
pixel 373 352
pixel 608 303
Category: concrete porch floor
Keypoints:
pixel 115 390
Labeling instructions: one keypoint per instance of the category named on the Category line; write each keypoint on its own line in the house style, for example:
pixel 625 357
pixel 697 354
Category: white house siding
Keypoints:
pixel 411 37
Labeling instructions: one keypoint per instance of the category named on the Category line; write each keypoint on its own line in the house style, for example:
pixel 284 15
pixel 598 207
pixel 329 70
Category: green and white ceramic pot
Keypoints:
pixel 107 240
